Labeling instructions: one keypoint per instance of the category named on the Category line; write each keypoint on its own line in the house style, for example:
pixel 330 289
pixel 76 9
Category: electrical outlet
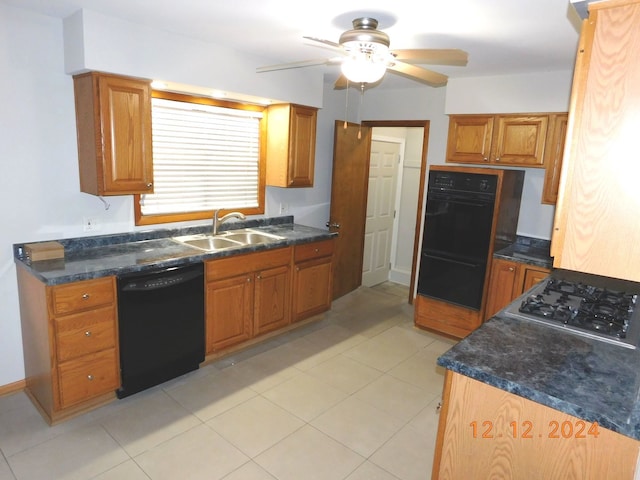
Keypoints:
pixel 284 208
pixel 91 224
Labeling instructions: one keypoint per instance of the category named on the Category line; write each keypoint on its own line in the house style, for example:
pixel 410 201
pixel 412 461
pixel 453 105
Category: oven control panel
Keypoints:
pixel 462 181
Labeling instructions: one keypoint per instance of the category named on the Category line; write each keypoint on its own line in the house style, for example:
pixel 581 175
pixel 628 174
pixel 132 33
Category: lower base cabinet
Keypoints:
pixel 312 278
pixel 508 281
pixel 246 296
pixel 485 432
pixel 69 335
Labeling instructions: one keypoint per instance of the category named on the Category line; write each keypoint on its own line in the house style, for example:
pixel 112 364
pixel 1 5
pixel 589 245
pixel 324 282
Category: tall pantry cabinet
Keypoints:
pixel 596 229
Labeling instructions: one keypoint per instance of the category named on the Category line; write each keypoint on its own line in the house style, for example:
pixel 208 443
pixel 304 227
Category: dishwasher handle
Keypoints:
pixel 165 280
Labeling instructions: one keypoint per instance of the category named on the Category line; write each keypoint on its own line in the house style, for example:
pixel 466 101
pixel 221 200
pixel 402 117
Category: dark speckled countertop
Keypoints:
pixel 590 379
pixel 528 250
pixel 117 254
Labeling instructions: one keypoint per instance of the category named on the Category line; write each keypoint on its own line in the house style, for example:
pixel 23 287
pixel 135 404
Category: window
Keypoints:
pixel 207 155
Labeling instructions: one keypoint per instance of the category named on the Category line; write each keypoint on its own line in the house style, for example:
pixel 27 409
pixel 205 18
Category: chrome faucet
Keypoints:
pixel 218 221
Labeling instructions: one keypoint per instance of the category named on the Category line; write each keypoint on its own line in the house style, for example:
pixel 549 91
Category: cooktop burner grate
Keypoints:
pixel 597 312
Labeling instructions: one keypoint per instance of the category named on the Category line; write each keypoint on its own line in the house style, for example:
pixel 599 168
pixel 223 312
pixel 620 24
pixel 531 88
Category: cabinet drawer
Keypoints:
pixel 88 377
pixel 312 250
pixel 251 262
pixel 78 296
pixel 83 333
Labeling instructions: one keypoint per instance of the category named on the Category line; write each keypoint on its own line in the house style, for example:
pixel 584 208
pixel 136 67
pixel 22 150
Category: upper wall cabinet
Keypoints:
pixel 291 145
pixel 113 121
pixel 512 140
pixel 596 228
pixel 553 156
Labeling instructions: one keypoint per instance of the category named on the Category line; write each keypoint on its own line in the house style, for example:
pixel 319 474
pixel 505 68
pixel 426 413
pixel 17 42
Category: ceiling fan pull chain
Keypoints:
pixel 346 105
pixel 360 110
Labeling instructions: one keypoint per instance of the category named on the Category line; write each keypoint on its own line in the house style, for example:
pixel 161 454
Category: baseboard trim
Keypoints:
pixel 14 387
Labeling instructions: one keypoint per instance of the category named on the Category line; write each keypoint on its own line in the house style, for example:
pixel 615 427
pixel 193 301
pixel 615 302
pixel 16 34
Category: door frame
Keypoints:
pixel 423 173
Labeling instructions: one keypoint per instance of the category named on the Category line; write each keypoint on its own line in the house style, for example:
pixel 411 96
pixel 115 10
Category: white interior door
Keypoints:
pixel 381 198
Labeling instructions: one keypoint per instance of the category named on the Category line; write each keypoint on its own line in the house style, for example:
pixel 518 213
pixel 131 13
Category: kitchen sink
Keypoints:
pixel 225 240
pixel 248 237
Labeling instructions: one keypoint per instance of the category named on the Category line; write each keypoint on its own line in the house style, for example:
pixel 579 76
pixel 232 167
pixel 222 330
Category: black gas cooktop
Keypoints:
pixel 602 310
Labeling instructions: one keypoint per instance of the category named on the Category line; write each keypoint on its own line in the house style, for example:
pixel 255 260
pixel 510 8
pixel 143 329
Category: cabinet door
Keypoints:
pixel 502 286
pixel 125 105
pixel 271 302
pixel 229 310
pixel 311 287
pixel 553 158
pixel 596 229
pixel 533 276
pixel 469 139
pixel 520 140
pixel 302 146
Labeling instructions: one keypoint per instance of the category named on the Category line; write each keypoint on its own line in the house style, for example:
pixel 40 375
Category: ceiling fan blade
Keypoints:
pixel 329 43
pixel 341 83
pixel 304 63
pixel 447 56
pixel 419 74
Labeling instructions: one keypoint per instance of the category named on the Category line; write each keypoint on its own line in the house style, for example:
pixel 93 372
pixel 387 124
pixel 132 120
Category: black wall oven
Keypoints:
pixel 457 236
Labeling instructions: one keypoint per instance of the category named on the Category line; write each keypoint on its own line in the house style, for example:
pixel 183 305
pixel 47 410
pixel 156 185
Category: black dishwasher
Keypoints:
pixel 161 325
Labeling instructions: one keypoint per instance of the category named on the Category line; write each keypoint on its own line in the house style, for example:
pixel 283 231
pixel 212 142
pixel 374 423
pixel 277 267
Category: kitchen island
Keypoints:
pixel 525 400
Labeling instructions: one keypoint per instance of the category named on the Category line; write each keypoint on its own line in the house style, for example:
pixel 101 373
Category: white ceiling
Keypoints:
pixel 501 36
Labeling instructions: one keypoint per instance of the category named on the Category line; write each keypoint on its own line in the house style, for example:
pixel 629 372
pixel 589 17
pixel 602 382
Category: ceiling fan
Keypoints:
pixel 364 57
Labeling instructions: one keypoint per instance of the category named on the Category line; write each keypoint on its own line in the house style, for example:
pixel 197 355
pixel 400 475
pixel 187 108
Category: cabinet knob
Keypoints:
pixel 85 296
pixel 316 250
pixel 497 159
pixel 486 159
pixel 87 333
pixel 90 377
pixel 258 276
pixel 248 279
pixel 149 185
pixel 511 269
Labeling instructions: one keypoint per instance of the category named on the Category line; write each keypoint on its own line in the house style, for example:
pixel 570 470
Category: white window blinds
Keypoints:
pixel 204 157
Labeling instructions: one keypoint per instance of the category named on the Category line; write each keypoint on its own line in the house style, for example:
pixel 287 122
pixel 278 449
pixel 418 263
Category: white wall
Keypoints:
pixel 39 186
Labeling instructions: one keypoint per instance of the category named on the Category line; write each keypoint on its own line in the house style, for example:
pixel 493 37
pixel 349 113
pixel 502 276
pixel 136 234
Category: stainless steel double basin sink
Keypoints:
pixel 228 239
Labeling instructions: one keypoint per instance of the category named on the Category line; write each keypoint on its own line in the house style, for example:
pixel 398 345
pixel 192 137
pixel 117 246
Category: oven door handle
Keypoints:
pixel 459 262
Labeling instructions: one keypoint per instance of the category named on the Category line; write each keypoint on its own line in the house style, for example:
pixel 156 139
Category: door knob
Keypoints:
pixel 332 225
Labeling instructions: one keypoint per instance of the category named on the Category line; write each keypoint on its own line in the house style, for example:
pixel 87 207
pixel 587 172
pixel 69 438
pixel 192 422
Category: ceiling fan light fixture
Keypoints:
pixel 362 68
pixel 364 31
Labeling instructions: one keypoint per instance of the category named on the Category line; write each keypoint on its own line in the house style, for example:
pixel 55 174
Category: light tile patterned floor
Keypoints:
pixel 351 396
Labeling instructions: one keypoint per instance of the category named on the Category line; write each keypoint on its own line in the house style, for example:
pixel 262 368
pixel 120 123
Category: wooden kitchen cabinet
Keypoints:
pixel 553 157
pixel 476 439
pixel 113 122
pixel 312 279
pixel 509 280
pixel 291 145
pixel 511 140
pixel 70 344
pixel 246 296
pixel 595 228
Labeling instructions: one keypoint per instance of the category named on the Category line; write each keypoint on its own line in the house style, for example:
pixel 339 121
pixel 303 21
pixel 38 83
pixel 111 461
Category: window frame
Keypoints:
pixel 154 219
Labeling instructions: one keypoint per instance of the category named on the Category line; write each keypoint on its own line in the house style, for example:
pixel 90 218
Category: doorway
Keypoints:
pixel 351 159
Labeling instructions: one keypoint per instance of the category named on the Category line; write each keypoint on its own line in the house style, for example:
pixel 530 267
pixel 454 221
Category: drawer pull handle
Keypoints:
pixel 87 333
pixel 85 296
pixel 90 377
